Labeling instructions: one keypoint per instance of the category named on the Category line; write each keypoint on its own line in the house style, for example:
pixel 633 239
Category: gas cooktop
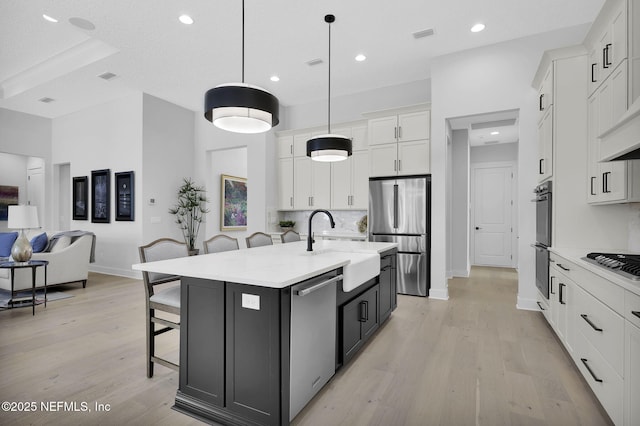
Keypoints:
pixel 627 265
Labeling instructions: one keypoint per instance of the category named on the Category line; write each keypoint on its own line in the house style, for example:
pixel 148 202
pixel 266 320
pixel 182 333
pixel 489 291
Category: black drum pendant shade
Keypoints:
pixel 329 147
pixel 241 107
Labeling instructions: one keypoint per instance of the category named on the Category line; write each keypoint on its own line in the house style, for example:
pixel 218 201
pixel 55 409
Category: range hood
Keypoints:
pixel 622 141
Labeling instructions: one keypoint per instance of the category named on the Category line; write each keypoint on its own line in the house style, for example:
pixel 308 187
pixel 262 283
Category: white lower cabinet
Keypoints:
pixel 594 319
pixel 632 359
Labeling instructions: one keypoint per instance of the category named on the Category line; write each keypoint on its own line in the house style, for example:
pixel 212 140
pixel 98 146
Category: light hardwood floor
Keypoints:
pixel 473 360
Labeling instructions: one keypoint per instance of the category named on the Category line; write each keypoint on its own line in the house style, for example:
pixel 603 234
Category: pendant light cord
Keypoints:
pixel 243 41
pixel 329 94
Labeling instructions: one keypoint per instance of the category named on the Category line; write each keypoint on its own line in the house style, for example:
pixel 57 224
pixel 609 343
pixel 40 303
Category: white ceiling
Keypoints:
pixel 144 44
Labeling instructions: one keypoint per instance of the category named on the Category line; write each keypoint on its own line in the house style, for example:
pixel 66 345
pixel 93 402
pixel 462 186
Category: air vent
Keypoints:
pixel 107 76
pixel 491 142
pixel 423 33
pixel 313 62
pixel 490 124
pixel 46 100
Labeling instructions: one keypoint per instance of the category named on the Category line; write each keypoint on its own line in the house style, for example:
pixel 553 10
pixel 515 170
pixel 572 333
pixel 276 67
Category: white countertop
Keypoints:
pixel 275 266
pixel 575 255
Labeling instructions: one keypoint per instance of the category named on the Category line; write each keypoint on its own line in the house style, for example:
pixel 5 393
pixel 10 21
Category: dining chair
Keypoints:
pixel 165 299
pixel 258 239
pixel 290 236
pixel 220 243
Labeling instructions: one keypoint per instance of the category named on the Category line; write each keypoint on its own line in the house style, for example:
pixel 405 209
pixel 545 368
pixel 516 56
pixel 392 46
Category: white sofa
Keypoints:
pixel 67 264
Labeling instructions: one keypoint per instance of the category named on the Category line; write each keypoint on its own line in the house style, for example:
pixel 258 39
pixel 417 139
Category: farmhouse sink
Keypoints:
pixel 362 268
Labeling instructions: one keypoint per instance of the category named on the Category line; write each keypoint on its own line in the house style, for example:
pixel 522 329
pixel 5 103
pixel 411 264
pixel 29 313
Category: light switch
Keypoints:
pixel 251 301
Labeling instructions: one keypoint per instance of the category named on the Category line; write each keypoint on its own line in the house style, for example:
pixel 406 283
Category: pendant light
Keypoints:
pixel 241 107
pixel 329 147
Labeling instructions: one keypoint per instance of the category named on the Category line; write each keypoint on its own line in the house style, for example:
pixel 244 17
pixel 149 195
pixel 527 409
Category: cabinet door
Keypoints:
pixel 300 144
pixel 414 126
pixel 370 312
pixel 321 185
pixel 593 167
pixel 351 329
pixel 545 93
pixel 553 300
pixel 285 146
pixel 545 146
pixel 383 159
pixel 618 49
pixel 285 183
pixel 413 157
pixel 302 183
pixel 341 183
pixel 359 138
pixel 594 70
pixel 383 130
pixel 632 374
pixel 360 180
pixel 386 290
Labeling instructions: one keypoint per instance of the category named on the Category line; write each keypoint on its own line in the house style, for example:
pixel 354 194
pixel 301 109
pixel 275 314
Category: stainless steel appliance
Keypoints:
pixel 313 338
pixel 400 211
pixel 626 265
pixel 543 235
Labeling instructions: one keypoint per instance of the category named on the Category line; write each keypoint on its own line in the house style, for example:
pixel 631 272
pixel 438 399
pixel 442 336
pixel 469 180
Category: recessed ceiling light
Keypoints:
pixel 495 133
pixel 477 28
pixel 49 18
pixel 275 78
pixel 360 57
pixel 46 100
pixel 186 19
pixel 82 23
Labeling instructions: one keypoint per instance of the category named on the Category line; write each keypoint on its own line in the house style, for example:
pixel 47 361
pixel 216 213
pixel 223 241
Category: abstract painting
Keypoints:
pixel 233 203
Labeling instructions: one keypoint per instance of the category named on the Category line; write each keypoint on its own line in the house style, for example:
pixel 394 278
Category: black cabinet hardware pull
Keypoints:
pixel 563 268
pixel 592 179
pixel 540 166
pixel 607 50
pixel 540 107
pixel 561 296
pixel 584 361
pixel 552 261
pixel 605 182
pixel 636 313
pixel 362 312
pixel 540 306
pixel 593 78
pixel 586 318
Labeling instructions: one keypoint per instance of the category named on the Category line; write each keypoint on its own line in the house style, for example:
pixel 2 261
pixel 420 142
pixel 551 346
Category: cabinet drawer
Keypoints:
pixel 607 292
pixel 632 308
pixel 602 327
pixel 602 378
pixel 543 304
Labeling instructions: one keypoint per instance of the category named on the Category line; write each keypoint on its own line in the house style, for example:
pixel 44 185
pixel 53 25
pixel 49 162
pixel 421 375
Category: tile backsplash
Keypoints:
pixel 346 220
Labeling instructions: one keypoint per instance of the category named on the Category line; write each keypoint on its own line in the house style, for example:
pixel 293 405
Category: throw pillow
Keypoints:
pixel 39 242
pixel 6 242
pixel 61 244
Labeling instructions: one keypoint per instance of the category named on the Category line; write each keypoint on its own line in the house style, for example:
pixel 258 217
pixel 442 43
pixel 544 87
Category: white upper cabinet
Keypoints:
pixel 350 182
pixel 285 146
pixel 300 144
pixel 545 146
pixel 399 144
pixel 545 93
pixel 285 183
pixel 311 184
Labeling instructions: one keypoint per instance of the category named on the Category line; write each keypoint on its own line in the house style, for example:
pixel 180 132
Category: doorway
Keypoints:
pixel 483 175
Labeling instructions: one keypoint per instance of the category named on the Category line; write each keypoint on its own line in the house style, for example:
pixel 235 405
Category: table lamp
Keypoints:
pixel 22 217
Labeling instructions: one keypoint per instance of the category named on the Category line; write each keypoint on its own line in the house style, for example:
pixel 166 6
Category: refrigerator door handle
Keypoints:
pixel 395 205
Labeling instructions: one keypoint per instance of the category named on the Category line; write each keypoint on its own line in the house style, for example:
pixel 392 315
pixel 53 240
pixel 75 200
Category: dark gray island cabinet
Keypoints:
pixel 236 343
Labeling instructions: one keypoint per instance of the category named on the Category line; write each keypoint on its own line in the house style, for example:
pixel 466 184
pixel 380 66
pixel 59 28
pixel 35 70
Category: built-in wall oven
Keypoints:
pixel 543 236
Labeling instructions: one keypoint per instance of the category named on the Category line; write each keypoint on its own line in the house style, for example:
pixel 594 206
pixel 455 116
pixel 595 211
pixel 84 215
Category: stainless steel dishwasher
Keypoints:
pixel 313 338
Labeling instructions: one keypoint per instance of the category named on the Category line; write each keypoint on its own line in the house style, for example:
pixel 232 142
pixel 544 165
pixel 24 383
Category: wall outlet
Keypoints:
pixel 251 301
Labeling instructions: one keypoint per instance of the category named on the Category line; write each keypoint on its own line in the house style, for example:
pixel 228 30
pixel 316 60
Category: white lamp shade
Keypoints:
pixel 23 217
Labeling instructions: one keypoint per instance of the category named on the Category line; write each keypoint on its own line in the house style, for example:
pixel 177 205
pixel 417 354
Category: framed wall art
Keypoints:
pixel 8 197
pixel 80 198
pixel 233 203
pixel 124 196
pixel 100 196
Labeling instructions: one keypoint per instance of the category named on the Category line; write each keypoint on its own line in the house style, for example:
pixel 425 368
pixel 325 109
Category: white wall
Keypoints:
pixel 351 107
pixel 259 158
pixel 492 78
pixel 459 215
pixel 493 153
pixel 107 136
pixel 167 158
pixel 13 172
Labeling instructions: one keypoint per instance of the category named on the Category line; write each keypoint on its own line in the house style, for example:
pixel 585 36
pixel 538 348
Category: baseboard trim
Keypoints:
pixel 527 304
pixel 463 273
pixel 440 294
pixel 117 272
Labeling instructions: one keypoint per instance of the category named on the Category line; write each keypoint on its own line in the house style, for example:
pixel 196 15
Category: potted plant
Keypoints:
pixel 190 211
pixel 286 225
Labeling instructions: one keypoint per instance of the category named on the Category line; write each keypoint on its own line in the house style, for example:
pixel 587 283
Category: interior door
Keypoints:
pixel 492 216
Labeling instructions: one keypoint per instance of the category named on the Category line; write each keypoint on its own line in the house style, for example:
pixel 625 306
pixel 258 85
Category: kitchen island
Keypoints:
pixel 263 329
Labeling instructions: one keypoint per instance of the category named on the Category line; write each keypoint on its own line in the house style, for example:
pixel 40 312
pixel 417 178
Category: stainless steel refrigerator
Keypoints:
pixel 400 211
